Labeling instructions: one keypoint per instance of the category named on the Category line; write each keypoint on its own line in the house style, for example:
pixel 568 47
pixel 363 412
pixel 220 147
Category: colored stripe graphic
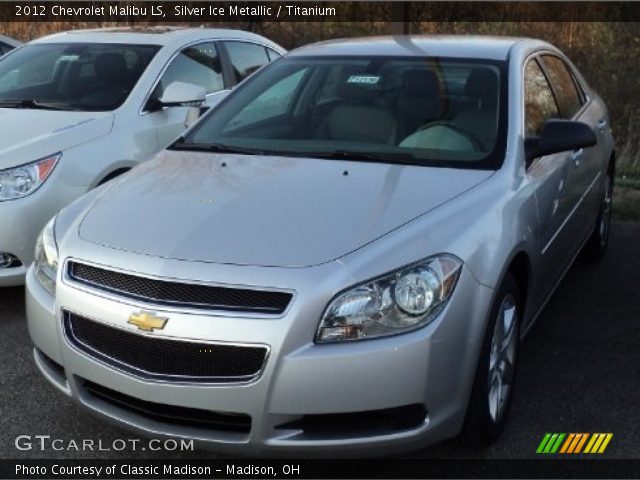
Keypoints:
pixel 605 443
pixel 543 443
pixel 598 442
pixel 550 443
pixel 567 443
pixel 582 441
pixel 573 443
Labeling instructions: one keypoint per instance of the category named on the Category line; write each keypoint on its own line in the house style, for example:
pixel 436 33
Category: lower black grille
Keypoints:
pixel 170 414
pixel 358 424
pixel 186 295
pixel 53 365
pixel 162 358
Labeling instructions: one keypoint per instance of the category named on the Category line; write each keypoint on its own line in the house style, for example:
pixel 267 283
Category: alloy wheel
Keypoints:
pixel 502 358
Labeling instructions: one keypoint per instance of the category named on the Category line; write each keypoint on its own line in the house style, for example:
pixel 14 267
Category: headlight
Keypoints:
pixel 46 258
pixel 398 302
pixel 24 180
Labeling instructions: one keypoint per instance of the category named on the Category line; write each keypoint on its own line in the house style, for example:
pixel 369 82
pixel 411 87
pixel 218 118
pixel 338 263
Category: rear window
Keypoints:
pixel 564 86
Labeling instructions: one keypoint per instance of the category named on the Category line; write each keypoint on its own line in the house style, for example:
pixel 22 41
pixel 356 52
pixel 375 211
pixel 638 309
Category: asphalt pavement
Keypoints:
pixel 579 371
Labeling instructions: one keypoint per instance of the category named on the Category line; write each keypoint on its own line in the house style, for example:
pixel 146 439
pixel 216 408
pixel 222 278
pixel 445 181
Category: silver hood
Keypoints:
pixel 264 211
pixel 28 135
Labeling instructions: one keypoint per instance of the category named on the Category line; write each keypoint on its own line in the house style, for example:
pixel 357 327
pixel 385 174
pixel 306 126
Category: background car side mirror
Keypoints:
pixel 559 136
pixel 181 94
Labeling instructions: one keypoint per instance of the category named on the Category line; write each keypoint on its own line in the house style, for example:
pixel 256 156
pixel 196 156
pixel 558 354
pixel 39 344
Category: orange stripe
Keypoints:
pixel 576 439
pixel 567 442
pixel 584 439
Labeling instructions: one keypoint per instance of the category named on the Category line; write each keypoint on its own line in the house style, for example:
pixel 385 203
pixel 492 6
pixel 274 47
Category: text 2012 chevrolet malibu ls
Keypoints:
pixel 342 257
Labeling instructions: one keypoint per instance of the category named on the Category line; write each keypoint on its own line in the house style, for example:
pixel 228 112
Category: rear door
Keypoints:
pixel 587 162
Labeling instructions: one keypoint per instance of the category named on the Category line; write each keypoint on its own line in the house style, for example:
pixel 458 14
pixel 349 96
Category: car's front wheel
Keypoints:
pixel 495 376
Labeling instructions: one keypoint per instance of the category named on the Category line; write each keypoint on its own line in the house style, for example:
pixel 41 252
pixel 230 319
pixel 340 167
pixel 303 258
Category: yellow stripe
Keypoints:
pixel 596 445
pixel 594 437
pixel 607 439
pixel 566 443
pixel 575 442
pixel 584 439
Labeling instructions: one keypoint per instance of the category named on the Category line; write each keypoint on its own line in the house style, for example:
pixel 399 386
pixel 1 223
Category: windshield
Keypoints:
pixel 72 76
pixel 427 111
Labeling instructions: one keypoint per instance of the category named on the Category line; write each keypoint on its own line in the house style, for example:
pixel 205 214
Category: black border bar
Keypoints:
pixel 316 469
pixel 343 11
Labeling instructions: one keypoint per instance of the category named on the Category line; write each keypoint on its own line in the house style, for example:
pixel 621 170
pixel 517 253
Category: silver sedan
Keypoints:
pixel 342 258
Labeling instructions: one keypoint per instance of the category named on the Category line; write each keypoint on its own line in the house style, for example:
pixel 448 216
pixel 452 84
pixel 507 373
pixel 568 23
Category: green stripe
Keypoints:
pixel 543 443
pixel 550 443
pixel 558 442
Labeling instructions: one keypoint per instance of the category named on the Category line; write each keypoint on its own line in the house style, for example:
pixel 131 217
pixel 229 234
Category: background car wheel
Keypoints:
pixel 492 392
pixel 596 246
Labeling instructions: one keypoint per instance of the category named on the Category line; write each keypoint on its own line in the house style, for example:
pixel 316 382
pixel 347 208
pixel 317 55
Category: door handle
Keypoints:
pixel 577 156
pixel 602 125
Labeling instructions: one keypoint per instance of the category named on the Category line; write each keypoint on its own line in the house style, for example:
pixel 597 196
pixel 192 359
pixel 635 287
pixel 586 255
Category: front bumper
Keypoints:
pixel 432 368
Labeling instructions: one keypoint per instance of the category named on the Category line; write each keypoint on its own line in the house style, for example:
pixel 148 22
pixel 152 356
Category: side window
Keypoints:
pixel 199 65
pixel 563 85
pixel 539 104
pixel 246 58
pixel 3 49
pixel 273 102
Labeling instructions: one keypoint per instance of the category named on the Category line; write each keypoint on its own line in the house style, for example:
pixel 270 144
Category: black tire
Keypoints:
pixel 485 419
pixel 596 246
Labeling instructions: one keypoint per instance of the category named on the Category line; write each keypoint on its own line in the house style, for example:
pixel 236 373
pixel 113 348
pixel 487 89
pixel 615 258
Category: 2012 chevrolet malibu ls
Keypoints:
pixel 341 258
pixel 79 108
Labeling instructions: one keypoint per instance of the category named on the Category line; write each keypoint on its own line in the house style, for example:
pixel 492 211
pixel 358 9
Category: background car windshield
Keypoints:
pixel 430 110
pixel 77 76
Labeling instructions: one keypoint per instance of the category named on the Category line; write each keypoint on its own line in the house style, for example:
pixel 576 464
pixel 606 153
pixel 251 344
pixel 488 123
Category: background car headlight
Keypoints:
pixel 21 181
pixel 398 302
pixel 46 258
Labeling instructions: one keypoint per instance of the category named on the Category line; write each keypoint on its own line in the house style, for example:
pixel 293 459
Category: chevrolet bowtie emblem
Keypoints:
pixel 147 321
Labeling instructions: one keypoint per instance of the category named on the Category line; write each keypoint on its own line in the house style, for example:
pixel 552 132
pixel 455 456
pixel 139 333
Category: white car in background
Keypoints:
pixel 81 107
pixel 7 44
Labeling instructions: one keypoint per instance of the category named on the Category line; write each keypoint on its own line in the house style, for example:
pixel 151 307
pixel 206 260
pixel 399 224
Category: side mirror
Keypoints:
pixel 559 136
pixel 181 94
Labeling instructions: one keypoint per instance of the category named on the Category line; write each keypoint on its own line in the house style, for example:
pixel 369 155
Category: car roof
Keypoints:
pixel 458 46
pixel 153 36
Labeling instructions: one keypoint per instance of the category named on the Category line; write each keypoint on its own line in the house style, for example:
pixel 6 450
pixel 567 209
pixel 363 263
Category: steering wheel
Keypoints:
pixel 473 139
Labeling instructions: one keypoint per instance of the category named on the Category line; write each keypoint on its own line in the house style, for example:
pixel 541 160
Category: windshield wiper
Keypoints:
pixel 35 104
pixel 215 148
pixel 378 157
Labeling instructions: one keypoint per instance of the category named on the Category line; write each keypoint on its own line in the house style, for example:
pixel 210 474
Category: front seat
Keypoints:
pixel 419 101
pixel 478 114
pixel 358 118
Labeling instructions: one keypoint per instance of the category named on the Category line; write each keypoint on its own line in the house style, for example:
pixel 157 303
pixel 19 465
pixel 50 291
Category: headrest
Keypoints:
pixel 420 83
pixel 110 66
pixel 482 83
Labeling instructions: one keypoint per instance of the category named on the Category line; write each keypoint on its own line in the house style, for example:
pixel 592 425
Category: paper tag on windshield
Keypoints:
pixel 363 79
pixel 69 58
